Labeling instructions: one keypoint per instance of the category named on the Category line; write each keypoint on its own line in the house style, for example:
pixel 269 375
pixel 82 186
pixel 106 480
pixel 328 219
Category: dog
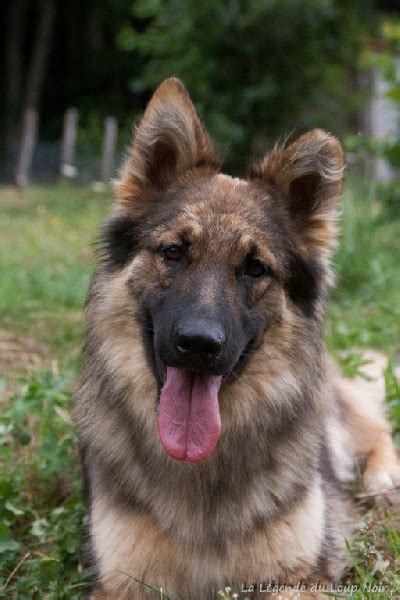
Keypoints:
pixel 215 431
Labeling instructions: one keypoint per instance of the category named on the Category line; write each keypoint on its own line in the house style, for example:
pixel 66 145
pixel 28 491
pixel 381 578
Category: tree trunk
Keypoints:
pixel 28 142
pixel 109 143
pixel 67 167
pixel 15 29
pixel 41 49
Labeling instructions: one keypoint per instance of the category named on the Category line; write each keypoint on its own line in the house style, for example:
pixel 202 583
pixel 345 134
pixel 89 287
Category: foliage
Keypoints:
pixel 373 554
pixel 393 400
pixel 41 512
pixel 255 68
pixel 389 196
pixel 364 311
pixel 383 54
pixel 385 58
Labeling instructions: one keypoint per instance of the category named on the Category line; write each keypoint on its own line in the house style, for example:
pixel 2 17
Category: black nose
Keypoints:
pixel 199 337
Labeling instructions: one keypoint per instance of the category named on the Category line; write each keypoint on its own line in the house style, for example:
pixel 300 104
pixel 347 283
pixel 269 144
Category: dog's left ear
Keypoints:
pixel 309 174
pixel 169 140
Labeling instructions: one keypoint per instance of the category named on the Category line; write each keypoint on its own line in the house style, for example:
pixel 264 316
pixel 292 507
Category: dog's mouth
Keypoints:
pixel 188 418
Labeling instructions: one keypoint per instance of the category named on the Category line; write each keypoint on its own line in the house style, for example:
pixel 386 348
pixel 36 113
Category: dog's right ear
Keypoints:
pixel 308 173
pixel 169 140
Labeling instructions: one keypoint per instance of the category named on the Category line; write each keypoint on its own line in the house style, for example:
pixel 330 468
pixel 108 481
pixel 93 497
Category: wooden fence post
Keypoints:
pixel 109 143
pixel 382 116
pixel 28 142
pixel 68 142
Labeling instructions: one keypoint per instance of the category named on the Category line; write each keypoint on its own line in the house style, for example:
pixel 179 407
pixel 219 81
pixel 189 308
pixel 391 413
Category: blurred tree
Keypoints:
pixel 40 52
pixel 383 54
pixel 256 68
pixel 388 59
pixel 13 71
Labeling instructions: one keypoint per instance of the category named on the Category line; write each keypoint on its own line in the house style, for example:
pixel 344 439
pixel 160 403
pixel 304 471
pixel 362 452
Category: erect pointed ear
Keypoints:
pixel 169 140
pixel 309 174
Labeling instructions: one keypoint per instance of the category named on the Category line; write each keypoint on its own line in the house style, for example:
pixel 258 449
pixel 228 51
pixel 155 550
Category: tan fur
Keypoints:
pixel 367 432
pixel 170 121
pixel 133 545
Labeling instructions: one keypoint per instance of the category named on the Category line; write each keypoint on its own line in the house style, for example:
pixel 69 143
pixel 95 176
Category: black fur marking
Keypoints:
pixel 322 564
pixel 326 467
pixel 303 193
pixel 246 356
pixel 146 324
pixel 332 487
pixel 303 285
pixel 109 478
pixel 328 474
pixel 119 240
pixel 88 559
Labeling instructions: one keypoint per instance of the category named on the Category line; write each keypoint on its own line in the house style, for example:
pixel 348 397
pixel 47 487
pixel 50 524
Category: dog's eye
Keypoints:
pixel 174 253
pixel 255 268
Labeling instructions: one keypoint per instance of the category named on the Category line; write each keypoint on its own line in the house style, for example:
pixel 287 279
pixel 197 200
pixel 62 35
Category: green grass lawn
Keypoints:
pixel 46 248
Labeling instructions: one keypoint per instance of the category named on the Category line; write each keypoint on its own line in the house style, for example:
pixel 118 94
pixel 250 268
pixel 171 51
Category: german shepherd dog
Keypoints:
pixel 215 432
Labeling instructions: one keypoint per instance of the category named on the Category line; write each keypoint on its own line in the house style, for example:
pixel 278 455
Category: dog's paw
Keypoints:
pixel 377 481
pixel 383 484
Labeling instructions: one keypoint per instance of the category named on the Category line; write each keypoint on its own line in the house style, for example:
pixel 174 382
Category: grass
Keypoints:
pixel 45 249
pixel 46 236
pixel 364 311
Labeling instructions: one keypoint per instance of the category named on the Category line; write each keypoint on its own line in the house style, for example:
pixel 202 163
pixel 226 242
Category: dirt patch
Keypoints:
pixel 19 351
pixel 19 355
pixel 11 196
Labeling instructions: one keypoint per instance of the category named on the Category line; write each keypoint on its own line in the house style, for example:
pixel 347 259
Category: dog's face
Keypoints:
pixel 208 275
pixel 214 260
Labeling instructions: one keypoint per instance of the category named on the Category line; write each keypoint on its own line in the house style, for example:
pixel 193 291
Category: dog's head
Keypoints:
pixel 216 263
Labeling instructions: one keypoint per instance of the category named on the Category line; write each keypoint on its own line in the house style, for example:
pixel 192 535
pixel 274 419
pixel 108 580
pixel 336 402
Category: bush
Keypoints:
pixel 41 511
pixel 256 69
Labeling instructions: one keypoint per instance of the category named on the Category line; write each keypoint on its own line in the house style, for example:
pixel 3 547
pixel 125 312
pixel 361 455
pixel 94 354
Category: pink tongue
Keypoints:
pixel 189 422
